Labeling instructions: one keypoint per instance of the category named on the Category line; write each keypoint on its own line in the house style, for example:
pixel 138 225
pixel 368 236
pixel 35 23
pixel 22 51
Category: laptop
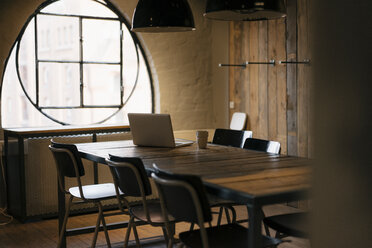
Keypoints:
pixel 154 130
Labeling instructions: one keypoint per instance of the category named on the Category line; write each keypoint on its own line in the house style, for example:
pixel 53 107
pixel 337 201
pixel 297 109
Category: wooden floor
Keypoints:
pixel 43 234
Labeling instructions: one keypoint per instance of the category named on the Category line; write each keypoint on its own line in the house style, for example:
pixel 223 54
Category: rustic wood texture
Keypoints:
pixel 276 98
pixel 291 44
pixel 254 173
pixel 304 79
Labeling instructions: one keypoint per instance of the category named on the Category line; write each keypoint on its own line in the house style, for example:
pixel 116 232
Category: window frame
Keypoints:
pixel 123 21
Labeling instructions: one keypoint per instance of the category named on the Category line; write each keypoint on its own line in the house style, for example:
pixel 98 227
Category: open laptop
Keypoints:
pixel 153 130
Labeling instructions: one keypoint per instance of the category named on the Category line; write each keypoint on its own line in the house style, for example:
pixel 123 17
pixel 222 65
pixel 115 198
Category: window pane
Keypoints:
pixel 101 40
pixel 59 84
pixel 81 7
pixel 27 61
pixel 101 85
pixel 130 64
pixel 56 69
pixel 58 38
pixel 141 94
pixel 16 109
pixel 80 116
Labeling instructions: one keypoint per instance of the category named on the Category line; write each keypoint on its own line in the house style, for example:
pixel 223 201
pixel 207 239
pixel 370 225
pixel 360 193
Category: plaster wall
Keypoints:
pixel 187 81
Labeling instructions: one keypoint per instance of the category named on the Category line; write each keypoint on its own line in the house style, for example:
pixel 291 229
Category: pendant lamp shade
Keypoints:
pixel 244 10
pixel 162 16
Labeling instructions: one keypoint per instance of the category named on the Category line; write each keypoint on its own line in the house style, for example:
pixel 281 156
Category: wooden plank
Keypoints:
pixel 272 186
pixel 245 74
pixel 303 80
pixel 282 112
pixel 291 30
pixel 231 69
pixel 262 81
pixel 263 175
pixel 272 81
pixel 253 77
pixel 237 83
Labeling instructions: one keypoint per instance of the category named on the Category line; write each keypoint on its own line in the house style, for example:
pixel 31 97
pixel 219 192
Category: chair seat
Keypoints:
pixel 231 235
pixel 95 191
pixel 293 224
pixel 155 211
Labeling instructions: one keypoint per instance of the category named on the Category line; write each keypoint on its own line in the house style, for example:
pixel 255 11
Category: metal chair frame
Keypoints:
pixel 196 203
pixel 122 201
pixel 97 202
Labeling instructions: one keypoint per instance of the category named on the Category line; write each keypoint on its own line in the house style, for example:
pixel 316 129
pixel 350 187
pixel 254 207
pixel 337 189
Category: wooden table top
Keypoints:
pixel 248 175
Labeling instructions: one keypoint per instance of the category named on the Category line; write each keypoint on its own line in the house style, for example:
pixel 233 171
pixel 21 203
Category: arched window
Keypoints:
pixel 75 62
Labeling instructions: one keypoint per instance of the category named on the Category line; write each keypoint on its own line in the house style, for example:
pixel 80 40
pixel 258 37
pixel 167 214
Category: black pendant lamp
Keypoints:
pixel 244 10
pixel 155 16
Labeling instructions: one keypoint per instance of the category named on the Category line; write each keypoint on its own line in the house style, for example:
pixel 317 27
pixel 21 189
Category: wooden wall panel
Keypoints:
pixel 272 81
pixel 304 90
pixel 276 98
pixel 263 127
pixel 253 77
pixel 282 94
pixel 291 44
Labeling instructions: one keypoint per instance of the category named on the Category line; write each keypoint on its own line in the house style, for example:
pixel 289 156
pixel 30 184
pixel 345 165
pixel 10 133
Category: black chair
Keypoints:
pixel 262 145
pixel 69 164
pixel 235 138
pixel 130 176
pixel 293 224
pixel 184 198
pixel 229 137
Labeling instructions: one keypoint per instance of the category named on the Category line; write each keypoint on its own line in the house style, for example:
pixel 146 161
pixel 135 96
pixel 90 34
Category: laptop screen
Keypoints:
pixel 151 129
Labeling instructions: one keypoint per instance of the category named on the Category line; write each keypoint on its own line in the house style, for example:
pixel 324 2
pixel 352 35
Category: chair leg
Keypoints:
pixel 67 213
pixel 266 227
pixel 220 212
pixel 171 228
pixel 127 234
pixel 191 227
pixel 227 215
pixel 233 213
pixel 165 234
pixel 104 224
pixel 136 234
pixel 98 222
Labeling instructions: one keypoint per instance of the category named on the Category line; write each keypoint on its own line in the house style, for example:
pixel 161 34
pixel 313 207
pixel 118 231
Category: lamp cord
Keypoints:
pixel 3 210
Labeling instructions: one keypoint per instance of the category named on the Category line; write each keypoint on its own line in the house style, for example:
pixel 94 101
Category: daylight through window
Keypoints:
pixel 75 62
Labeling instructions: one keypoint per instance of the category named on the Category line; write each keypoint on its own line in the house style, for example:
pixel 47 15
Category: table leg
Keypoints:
pixel 255 221
pixel 22 177
pixel 95 164
pixel 61 211
pixel 6 150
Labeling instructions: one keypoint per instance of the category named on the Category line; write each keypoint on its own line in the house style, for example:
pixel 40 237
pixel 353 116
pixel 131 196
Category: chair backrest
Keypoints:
pixel 228 137
pixel 68 163
pixel 238 121
pixel 183 197
pixel 262 145
pixel 130 175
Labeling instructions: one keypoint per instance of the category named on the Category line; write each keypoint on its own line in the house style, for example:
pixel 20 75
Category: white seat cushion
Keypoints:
pixel 95 191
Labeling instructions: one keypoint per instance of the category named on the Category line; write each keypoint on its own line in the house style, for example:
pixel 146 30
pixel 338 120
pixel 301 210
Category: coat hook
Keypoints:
pixel 305 61
pixel 244 65
pixel 235 65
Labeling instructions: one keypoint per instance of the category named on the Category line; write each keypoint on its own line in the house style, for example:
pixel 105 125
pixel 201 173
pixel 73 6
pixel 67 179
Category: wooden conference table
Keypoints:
pixel 251 177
